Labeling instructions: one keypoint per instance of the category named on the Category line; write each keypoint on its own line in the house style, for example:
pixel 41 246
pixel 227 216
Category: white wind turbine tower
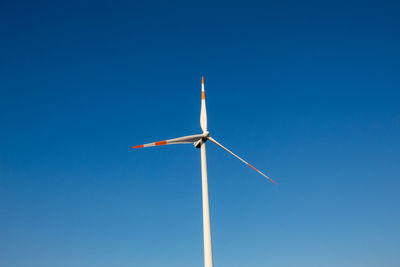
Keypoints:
pixel 199 141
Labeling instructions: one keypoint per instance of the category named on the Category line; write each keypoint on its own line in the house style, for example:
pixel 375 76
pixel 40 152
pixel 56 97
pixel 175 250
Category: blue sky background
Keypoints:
pixel 306 91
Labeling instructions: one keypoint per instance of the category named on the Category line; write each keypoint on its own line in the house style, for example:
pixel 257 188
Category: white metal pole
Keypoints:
pixel 208 259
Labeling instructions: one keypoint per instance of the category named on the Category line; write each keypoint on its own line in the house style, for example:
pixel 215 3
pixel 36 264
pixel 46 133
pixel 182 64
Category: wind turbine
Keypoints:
pixel 199 141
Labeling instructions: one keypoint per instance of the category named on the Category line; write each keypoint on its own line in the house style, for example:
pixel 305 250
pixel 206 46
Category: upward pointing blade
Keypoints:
pixel 218 144
pixel 203 113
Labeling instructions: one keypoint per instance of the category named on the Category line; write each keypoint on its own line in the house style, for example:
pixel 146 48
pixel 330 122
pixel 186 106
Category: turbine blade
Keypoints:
pixel 203 112
pixel 180 140
pixel 245 162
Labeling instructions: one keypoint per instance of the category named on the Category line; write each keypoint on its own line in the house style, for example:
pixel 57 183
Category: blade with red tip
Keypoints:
pixel 203 112
pixel 181 140
pixel 248 164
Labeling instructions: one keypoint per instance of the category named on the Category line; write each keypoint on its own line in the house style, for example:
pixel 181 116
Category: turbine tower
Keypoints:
pixel 199 141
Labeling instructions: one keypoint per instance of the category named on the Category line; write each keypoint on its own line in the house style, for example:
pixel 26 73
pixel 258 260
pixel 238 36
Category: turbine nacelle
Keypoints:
pixel 202 140
pixel 198 143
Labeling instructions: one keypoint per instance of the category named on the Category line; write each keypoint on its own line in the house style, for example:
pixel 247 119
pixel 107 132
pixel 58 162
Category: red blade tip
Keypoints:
pixel 273 181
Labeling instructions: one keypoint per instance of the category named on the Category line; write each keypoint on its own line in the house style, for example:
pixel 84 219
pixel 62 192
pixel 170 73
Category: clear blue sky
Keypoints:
pixel 306 91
